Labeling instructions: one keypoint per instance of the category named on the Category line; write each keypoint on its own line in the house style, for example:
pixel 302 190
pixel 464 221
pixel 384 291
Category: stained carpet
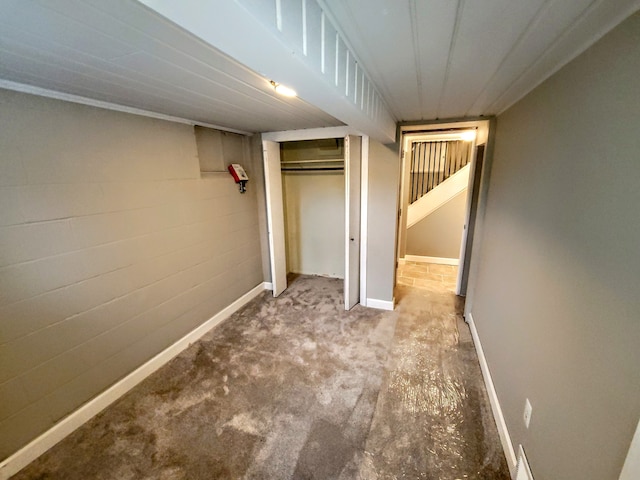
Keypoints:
pixel 296 388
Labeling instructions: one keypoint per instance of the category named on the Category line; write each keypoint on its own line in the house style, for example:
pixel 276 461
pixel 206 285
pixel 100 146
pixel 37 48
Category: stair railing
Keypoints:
pixel 433 162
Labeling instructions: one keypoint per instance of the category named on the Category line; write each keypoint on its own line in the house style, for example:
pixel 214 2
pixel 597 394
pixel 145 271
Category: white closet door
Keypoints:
pixel 352 163
pixel 275 216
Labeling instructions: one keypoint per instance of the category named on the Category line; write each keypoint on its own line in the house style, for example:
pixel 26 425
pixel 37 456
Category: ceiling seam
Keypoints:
pixel 182 52
pixel 156 91
pixel 278 104
pixel 452 44
pixel 525 33
pixel 107 105
pixel 416 53
pixel 586 12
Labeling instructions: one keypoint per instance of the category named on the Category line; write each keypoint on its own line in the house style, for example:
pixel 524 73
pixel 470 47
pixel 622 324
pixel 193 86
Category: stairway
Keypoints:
pixel 439 172
pixel 437 197
pixel 433 162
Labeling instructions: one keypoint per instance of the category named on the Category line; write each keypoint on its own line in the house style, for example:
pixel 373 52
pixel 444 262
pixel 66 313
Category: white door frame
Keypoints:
pixel 353 212
pixel 275 215
pixel 435 132
pixel 334 132
pixel 467 216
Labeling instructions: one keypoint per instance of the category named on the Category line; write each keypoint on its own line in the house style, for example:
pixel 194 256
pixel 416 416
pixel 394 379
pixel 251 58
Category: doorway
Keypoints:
pixel 440 167
pixel 292 195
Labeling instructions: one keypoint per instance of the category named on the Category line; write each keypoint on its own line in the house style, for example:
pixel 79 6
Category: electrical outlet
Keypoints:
pixel 527 412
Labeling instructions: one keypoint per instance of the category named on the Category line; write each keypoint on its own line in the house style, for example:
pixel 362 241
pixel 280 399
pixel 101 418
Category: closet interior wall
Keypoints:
pixel 313 186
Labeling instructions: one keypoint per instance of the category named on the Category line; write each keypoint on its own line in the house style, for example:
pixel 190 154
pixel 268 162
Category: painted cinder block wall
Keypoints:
pixel 557 295
pixel 112 247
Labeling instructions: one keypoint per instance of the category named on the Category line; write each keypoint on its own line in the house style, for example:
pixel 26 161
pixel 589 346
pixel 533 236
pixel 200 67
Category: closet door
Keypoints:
pixel 275 216
pixel 352 162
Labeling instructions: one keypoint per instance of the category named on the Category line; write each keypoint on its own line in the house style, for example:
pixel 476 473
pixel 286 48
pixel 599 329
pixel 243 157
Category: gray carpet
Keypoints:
pixel 297 388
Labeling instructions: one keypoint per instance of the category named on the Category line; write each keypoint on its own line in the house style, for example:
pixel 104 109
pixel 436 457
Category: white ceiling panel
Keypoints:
pixel 376 28
pixel 591 24
pixel 384 60
pixel 546 27
pixel 434 26
pixel 123 53
pixel 486 33
pixel 455 58
pixel 57 28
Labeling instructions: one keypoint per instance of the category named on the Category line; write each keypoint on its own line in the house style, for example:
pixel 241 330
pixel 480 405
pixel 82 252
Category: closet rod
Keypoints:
pixel 310 169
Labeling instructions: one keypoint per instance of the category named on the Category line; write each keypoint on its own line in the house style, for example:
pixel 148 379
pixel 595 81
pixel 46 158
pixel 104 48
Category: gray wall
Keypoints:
pixel 440 233
pixel 557 301
pixel 314 210
pixel 111 249
pixel 384 169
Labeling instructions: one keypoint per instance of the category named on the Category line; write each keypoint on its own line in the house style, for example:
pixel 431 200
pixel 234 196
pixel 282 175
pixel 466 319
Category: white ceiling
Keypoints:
pixel 123 53
pixel 447 59
pixel 426 59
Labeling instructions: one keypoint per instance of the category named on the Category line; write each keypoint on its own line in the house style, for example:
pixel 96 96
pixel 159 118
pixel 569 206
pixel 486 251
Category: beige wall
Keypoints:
pixel 557 293
pixel 440 233
pixel 384 169
pixel 314 207
pixel 111 249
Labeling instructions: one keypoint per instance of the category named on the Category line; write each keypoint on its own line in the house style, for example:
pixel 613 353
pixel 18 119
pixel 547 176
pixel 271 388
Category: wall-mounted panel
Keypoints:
pixel 341 65
pixel 290 21
pixel 328 50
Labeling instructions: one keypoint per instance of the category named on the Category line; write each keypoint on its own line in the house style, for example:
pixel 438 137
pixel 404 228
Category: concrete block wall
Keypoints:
pixel 112 247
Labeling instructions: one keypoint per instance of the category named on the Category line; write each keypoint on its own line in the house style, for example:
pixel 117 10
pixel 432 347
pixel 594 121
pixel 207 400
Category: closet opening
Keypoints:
pixel 313 197
pixel 313 193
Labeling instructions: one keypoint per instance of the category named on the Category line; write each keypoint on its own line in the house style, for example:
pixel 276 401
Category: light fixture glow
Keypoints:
pixel 468 136
pixel 283 90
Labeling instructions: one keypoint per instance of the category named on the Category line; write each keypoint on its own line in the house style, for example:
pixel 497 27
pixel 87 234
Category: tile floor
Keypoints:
pixel 427 275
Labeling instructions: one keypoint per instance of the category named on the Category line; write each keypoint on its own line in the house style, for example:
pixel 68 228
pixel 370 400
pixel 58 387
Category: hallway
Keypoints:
pixel 295 387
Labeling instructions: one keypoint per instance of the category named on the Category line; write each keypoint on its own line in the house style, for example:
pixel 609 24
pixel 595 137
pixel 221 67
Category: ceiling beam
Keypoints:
pixel 294 44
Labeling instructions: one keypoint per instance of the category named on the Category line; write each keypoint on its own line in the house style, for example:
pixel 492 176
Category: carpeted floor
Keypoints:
pixel 297 388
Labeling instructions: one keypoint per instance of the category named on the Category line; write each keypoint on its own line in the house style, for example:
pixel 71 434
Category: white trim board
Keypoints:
pixel 523 470
pixel 364 219
pixel 68 97
pixel 381 304
pixel 310 134
pixel 79 417
pixel 503 432
pixel 438 260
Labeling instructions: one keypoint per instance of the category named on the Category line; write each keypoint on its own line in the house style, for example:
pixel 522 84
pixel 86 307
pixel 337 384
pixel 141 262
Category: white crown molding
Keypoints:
pixel 68 97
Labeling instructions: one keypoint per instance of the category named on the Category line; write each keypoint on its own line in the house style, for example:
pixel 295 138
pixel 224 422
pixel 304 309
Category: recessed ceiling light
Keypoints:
pixel 468 136
pixel 283 90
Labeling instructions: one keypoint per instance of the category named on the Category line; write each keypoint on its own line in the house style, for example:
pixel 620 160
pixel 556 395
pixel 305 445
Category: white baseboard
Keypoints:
pixel 380 304
pixel 268 285
pixel 69 424
pixel 507 446
pixel 439 260
pixel 631 466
